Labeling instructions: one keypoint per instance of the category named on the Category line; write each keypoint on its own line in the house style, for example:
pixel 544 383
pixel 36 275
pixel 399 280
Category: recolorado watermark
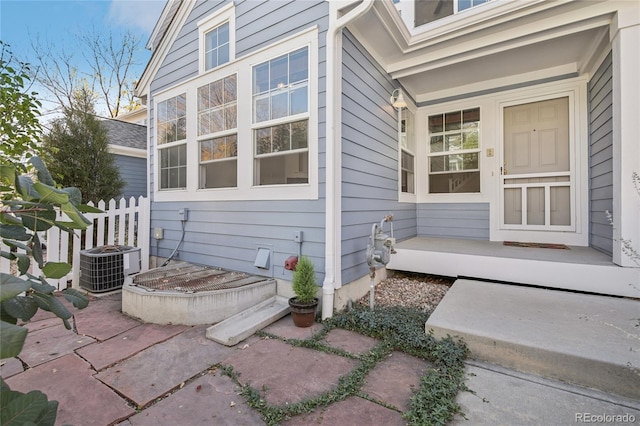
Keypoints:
pixel 605 418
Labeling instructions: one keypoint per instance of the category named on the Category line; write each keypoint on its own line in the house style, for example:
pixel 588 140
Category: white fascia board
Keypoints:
pixel 574 17
pixel 489 15
pixel 489 45
pixel 159 22
pixel 486 16
pixel 127 151
pixel 598 51
pixel 143 86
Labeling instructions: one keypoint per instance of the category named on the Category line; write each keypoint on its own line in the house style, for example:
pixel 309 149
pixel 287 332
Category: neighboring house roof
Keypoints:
pixel 137 116
pixel 126 135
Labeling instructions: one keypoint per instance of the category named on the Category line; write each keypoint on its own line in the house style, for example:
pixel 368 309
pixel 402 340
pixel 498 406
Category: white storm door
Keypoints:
pixel 536 177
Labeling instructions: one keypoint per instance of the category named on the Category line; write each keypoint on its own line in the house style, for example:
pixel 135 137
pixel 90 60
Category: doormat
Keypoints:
pixel 536 245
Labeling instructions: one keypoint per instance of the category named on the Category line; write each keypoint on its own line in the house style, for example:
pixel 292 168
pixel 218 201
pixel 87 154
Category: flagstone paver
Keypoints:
pixel 105 320
pixel 82 399
pixel 127 344
pixel 395 379
pixel 353 411
pixel 209 400
pixel 293 374
pixel 159 369
pixel 51 343
pixel 42 324
pixel 10 367
pixel 350 341
pixel 285 329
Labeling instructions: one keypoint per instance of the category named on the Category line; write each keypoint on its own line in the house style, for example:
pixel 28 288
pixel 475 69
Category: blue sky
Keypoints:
pixel 59 21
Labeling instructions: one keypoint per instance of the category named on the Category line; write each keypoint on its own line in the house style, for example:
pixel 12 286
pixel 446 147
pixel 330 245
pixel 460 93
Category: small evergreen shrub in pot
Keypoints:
pixel 304 304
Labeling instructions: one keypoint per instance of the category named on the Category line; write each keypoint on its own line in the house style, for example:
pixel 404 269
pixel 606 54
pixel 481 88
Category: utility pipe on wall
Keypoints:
pixel 333 194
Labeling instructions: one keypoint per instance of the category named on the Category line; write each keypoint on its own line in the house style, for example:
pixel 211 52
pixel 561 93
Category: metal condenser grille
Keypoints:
pixel 188 278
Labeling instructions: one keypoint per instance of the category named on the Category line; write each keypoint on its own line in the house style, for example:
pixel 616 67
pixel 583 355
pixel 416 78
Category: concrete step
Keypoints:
pixel 578 338
pixel 235 329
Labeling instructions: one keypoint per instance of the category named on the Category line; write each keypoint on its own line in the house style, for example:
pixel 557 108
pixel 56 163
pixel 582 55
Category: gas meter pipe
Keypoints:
pixel 372 274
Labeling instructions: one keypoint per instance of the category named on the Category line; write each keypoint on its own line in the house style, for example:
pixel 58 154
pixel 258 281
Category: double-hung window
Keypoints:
pixel 281 119
pixel 245 130
pixel 218 133
pixel 454 151
pixel 429 11
pixel 216 46
pixel 171 140
pixel 216 34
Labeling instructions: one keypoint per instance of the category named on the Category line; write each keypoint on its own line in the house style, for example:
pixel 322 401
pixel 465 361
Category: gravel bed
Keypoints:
pixel 410 290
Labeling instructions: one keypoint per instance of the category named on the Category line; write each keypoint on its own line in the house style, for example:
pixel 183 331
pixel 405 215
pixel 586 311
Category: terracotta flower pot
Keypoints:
pixel 303 314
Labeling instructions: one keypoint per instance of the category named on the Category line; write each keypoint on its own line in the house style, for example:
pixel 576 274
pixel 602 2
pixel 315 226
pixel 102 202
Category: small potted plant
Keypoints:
pixel 303 305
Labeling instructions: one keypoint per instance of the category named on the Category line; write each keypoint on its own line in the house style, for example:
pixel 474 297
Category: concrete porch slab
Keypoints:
pixel 580 268
pixel 584 339
pixel 510 398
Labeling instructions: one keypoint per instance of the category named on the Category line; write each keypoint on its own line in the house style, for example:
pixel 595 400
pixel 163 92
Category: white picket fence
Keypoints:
pixel 121 223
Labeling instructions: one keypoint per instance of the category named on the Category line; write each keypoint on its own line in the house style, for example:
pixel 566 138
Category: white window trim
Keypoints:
pixel 225 14
pixel 166 145
pixel 245 189
pixel 406 197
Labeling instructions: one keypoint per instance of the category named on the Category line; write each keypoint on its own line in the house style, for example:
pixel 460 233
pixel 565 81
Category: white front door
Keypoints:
pixel 537 191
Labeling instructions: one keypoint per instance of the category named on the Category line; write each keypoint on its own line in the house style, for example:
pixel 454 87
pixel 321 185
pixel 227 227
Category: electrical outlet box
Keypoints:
pixel 158 233
pixel 184 214
pixel 297 237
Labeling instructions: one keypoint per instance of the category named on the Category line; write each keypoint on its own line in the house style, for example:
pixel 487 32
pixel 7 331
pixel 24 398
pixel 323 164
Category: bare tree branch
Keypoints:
pixel 109 60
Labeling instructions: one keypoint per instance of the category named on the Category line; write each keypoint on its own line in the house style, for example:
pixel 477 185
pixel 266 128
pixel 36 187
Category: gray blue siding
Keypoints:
pixel 369 159
pixel 228 233
pixel 454 220
pixel 601 157
pixel 133 171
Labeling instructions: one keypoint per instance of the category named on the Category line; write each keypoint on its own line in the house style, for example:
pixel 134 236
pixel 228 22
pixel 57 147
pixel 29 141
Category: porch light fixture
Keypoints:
pixel 397 99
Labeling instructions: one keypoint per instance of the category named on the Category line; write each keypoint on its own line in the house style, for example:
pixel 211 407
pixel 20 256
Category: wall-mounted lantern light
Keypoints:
pixel 397 99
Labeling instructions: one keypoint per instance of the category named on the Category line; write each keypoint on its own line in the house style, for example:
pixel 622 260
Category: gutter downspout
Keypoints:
pixel 333 142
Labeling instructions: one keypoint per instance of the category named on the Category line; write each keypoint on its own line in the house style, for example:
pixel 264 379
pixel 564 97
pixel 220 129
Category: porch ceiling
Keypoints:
pixel 472 55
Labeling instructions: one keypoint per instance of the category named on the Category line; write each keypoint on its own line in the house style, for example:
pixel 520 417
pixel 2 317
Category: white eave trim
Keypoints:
pixel 127 151
pixel 161 50
pixel 583 16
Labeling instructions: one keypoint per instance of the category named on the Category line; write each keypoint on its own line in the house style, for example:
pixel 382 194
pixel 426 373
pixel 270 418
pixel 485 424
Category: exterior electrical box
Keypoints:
pixel 104 268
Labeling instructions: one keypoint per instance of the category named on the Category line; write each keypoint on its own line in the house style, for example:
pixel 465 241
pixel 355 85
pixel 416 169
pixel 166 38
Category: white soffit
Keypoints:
pixel 537 43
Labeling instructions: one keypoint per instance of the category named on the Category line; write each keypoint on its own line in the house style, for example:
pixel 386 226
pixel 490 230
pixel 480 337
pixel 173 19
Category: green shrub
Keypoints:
pixel 304 281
